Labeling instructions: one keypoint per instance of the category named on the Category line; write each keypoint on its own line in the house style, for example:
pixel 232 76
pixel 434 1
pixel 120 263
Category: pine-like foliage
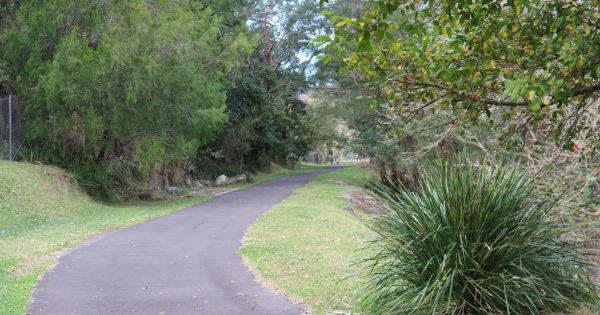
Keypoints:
pixel 119 91
pixel 473 240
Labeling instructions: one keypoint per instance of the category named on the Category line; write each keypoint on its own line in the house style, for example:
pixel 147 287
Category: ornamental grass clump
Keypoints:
pixel 473 240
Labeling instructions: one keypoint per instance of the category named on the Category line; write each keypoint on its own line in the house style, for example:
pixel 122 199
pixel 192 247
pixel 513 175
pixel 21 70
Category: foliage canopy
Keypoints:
pixel 512 63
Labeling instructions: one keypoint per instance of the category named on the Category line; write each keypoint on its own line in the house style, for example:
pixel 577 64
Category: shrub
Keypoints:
pixel 473 240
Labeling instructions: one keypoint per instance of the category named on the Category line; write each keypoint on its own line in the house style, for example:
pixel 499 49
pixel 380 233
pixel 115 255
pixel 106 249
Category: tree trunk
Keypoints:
pixel 165 176
pixel 241 151
pixel 355 6
pixel 383 176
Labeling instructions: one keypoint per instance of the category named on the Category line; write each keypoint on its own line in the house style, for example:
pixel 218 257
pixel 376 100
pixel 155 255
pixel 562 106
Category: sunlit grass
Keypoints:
pixel 357 174
pixel 306 245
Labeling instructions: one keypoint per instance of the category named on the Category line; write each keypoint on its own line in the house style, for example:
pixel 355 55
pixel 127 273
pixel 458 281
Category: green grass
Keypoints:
pixel 306 244
pixel 356 175
pixel 42 212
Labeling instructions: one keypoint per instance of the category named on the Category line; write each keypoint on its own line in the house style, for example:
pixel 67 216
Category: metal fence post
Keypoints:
pixel 10 127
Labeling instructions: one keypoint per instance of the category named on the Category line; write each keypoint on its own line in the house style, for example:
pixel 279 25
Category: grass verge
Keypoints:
pixel 305 246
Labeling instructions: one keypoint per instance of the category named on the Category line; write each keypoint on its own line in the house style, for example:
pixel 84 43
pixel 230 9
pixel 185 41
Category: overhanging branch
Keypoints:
pixel 490 101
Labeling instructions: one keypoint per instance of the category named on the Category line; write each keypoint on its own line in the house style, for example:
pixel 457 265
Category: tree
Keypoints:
pixel 267 122
pixel 515 64
pixel 117 92
pixel 267 119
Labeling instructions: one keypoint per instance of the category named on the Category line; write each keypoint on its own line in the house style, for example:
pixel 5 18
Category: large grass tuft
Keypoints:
pixel 473 241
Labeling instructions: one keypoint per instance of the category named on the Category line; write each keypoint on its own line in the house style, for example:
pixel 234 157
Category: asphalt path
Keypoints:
pixel 182 263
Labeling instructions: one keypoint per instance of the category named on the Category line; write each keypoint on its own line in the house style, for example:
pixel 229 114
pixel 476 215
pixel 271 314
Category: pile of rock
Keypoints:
pixel 176 191
pixel 197 183
pixel 224 180
pixel 160 194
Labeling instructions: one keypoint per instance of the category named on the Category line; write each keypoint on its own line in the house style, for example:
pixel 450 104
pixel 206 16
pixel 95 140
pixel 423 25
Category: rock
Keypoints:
pixel 224 180
pixel 202 183
pixel 339 182
pixel 350 210
pixel 189 182
pixel 175 191
pixel 221 180
pixel 237 179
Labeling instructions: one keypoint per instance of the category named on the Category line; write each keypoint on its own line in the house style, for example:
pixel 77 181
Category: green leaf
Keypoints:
pixel 342 23
pixel 514 89
pixel 322 38
pixel 535 105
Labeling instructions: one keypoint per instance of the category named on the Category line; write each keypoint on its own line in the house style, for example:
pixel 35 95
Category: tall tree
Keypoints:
pixel 267 118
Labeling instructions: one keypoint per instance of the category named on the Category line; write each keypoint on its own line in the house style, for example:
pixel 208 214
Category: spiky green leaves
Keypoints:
pixel 473 240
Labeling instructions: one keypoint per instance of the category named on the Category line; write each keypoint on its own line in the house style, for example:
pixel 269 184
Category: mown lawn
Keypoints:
pixel 306 245
pixel 42 211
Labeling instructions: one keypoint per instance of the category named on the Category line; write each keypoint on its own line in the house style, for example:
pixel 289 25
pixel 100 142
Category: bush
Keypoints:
pixel 473 241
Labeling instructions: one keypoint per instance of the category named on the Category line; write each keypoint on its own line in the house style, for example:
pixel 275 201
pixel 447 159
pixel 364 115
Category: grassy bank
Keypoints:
pixel 305 246
pixel 42 212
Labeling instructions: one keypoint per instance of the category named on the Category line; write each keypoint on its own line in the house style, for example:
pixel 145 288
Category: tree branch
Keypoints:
pixel 490 101
pixel 587 89
pixel 476 98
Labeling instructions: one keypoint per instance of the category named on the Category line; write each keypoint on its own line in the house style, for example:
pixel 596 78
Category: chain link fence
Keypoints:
pixel 11 127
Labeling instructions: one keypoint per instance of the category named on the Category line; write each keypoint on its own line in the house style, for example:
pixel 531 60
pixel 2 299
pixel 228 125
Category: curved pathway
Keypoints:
pixel 182 263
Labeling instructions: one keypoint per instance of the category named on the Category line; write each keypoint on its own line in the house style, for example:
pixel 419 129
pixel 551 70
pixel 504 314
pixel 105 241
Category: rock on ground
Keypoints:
pixel 224 180
pixel 221 180
pixel 237 179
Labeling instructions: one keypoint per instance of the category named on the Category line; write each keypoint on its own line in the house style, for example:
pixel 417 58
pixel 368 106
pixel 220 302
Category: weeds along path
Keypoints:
pixel 183 263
